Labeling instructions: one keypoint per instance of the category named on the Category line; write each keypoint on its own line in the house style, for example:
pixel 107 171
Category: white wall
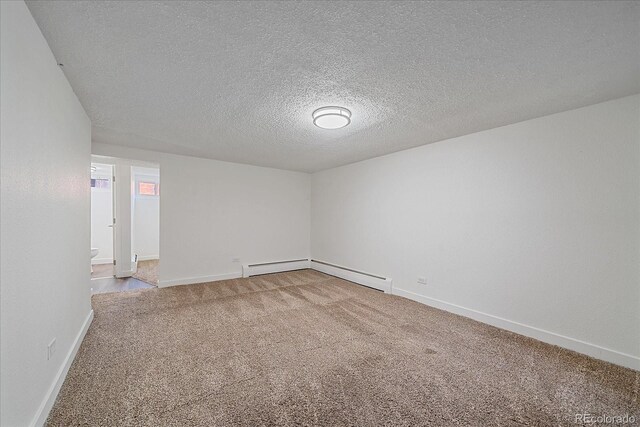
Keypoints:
pixel 146 216
pixel 45 152
pixel 101 218
pixel 213 212
pixel 536 223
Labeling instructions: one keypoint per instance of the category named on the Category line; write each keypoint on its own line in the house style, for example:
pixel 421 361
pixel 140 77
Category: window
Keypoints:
pixel 146 188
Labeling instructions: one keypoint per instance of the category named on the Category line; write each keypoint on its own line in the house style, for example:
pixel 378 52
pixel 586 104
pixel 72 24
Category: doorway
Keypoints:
pixel 145 223
pixel 125 225
pixel 101 221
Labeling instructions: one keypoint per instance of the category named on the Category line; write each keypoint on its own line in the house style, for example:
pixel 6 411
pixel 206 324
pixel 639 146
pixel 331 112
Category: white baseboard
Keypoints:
pixel 576 345
pixel 95 261
pixel 371 280
pixel 148 257
pixel 45 407
pixel 249 270
pixel 201 279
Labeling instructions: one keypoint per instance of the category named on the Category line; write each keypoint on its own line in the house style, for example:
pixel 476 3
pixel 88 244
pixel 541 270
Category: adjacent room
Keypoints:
pixel 319 213
pixel 125 225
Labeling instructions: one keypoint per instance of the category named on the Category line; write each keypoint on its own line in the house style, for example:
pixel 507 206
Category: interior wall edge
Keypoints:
pixel 45 220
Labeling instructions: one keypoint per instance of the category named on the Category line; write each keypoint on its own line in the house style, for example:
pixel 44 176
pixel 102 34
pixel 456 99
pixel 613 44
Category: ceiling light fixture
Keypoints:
pixel 331 117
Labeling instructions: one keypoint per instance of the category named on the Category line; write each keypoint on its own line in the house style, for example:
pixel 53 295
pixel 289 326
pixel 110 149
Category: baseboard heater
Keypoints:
pixel 366 279
pixel 249 270
pixel 360 277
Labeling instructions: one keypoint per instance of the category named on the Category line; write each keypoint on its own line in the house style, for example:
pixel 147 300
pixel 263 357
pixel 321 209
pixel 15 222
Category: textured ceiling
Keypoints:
pixel 238 81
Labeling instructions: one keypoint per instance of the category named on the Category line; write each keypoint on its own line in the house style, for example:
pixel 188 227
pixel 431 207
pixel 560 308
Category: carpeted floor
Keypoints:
pixel 148 271
pixel 304 348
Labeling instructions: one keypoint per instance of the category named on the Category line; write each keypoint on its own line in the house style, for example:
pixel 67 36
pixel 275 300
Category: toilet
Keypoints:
pixel 94 252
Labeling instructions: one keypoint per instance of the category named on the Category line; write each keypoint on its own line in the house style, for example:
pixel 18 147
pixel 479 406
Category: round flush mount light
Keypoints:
pixel 331 117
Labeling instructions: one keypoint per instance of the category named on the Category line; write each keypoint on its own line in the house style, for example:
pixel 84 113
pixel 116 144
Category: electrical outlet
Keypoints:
pixel 235 260
pixel 422 280
pixel 51 349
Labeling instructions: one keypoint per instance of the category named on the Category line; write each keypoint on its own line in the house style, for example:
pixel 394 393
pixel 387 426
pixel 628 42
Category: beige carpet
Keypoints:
pixel 304 348
pixel 148 271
